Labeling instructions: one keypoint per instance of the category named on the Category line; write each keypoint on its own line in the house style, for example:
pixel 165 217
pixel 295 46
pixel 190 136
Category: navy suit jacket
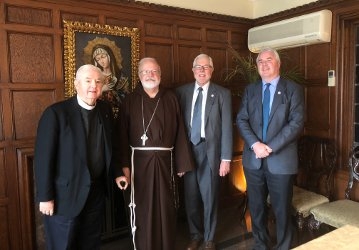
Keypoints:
pixel 218 121
pixel 61 168
pixel 286 122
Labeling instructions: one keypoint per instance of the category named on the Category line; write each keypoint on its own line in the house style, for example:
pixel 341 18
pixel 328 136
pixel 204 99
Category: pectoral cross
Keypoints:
pixel 144 139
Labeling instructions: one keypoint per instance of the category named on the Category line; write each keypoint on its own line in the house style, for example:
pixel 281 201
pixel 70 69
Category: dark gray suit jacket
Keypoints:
pixel 61 168
pixel 218 121
pixel 286 123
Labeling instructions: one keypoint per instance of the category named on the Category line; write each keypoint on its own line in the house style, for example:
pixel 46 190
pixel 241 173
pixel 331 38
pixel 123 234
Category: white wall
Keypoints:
pixel 239 8
pixel 267 7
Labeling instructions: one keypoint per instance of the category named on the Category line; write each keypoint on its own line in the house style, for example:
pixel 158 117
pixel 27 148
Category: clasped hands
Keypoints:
pixel 261 150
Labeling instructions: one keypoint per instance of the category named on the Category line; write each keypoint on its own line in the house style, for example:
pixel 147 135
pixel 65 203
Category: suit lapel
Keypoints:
pixel 279 94
pixel 188 102
pixel 258 101
pixel 211 96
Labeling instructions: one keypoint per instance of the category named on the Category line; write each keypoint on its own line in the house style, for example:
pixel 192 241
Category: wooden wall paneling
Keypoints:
pixel 317 62
pixel 164 55
pixel 220 63
pixel 345 116
pixel 29 112
pixel 186 55
pixel 28 16
pixel 238 40
pixel 4 229
pixel 292 58
pixel 216 36
pixel 31 58
pixel 189 33
pixel 159 30
pixel 315 66
pixel 1 117
pixel 12 189
pixel 80 17
pixel 122 22
pixel 30 217
pixel 4 200
pixel 317 115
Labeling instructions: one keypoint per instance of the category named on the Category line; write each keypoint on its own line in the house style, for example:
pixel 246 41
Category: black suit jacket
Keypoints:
pixel 61 168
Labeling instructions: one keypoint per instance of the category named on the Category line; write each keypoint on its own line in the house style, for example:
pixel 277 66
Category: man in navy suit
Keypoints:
pixel 212 149
pixel 270 151
pixel 73 154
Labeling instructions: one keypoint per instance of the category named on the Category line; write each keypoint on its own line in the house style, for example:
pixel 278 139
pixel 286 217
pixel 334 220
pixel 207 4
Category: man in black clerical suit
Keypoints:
pixel 73 154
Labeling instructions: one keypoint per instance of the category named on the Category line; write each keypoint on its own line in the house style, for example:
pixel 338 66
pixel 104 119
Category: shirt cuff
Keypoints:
pixel 254 144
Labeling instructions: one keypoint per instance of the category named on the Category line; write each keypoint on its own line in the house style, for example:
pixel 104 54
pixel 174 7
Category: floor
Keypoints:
pixel 233 233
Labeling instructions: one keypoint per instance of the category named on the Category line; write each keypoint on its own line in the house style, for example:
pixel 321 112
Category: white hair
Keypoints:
pixel 85 68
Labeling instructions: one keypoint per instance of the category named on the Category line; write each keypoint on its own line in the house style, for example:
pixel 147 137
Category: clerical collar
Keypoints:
pixel 84 105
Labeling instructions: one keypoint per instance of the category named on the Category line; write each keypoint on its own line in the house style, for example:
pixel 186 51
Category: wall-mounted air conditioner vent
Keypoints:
pixel 303 30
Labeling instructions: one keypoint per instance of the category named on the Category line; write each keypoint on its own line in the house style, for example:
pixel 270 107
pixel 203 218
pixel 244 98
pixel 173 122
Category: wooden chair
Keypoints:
pixel 341 212
pixel 314 181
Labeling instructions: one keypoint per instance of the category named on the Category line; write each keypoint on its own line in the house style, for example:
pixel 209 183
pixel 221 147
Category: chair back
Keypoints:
pixel 353 169
pixel 317 160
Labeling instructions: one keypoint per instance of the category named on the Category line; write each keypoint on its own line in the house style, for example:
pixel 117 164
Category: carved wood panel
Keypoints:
pixel 28 15
pixel 29 112
pixel 31 58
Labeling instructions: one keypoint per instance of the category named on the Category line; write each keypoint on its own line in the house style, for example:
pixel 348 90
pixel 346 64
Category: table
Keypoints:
pixel 344 238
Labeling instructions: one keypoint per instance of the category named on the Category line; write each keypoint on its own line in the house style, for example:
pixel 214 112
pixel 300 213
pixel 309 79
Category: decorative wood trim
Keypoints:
pixel 27 197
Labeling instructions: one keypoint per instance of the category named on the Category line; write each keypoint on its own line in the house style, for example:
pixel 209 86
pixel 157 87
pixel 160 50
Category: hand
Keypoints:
pixel 47 207
pixel 181 174
pixel 261 150
pixel 224 168
pixel 122 182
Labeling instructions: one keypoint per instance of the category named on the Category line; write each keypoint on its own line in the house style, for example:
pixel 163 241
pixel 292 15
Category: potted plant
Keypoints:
pixel 245 68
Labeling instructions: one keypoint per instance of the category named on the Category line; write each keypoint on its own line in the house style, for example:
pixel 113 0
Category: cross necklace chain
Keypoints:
pixel 144 136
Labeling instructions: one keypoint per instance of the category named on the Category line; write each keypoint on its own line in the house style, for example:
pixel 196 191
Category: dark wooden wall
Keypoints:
pixel 32 77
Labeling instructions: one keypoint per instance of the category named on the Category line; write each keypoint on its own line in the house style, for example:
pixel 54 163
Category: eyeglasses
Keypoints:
pixel 204 67
pixel 150 72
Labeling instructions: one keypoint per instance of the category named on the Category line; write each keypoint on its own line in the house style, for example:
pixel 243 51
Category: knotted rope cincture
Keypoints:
pixel 132 204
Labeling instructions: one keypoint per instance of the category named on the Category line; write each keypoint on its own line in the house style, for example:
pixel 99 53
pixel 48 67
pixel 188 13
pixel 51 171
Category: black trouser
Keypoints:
pixel 82 232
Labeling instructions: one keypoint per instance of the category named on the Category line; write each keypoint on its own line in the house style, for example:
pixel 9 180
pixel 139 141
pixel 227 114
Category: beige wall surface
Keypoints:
pixel 239 8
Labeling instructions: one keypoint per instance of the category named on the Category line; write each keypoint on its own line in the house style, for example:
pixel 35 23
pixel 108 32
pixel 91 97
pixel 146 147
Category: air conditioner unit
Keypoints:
pixel 297 31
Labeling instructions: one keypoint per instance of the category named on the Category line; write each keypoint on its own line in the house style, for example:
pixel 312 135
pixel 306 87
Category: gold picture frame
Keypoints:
pixel 80 40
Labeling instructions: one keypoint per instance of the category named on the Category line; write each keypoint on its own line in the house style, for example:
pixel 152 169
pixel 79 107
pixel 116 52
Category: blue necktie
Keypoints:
pixel 197 119
pixel 266 108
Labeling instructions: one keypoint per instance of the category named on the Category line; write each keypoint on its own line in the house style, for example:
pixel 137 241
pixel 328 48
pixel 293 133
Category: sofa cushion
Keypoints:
pixel 337 213
pixel 303 200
